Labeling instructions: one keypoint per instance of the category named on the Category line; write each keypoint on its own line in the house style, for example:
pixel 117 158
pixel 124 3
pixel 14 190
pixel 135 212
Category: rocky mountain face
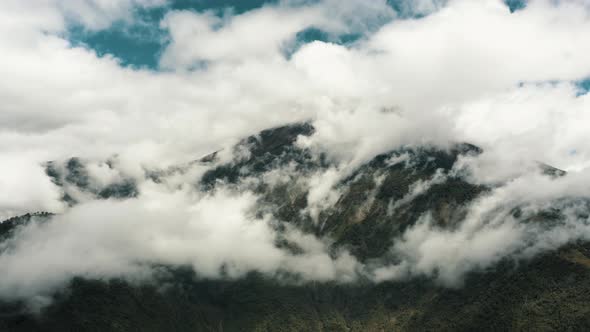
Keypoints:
pixel 368 209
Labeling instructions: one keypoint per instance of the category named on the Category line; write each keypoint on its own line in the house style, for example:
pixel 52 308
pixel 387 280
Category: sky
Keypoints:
pixel 139 43
pixel 156 83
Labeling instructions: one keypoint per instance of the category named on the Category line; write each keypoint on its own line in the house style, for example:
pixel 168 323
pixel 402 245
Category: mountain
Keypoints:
pixel 371 207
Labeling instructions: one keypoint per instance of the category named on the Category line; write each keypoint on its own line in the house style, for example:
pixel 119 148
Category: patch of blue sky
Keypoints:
pixel 140 42
pixel 515 5
pixel 237 6
pixel 136 43
pixel 583 86
pixel 405 8
pixel 312 34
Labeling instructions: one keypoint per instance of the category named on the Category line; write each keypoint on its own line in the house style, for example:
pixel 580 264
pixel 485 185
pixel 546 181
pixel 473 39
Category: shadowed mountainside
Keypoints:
pixel 375 204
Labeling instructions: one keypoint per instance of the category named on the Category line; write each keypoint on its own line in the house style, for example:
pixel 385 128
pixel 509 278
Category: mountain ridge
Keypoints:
pixel 377 204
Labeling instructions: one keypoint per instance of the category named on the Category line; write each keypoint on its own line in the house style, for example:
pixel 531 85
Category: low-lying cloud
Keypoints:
pixel 216 234
pixel 434 72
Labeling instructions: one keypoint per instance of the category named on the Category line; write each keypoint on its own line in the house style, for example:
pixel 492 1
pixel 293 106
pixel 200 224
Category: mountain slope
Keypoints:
pixel 365 212
pixel 548 293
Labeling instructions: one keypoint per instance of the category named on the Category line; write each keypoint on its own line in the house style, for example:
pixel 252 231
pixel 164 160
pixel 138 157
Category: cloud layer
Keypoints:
pixel 432 72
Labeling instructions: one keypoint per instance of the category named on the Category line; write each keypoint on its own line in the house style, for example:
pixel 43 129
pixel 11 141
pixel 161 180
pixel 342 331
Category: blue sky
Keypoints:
pixel 141 43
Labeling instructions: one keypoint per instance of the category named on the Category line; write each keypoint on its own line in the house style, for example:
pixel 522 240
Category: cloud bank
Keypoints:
pixel 428 72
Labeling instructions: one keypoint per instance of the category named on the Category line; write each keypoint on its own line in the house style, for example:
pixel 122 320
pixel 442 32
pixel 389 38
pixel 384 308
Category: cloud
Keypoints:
pixel 207 37
pixel 455 71
pixel 109 238
pixel 492 231
pixel 100 14
pixel 536 122
pixel 25 188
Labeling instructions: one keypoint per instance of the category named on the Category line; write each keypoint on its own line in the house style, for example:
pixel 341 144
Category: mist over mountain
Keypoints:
pixel 403 236
pixel 325 165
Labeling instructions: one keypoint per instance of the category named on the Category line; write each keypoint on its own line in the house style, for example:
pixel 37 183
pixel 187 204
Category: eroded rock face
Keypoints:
pixel 73 178
pixel 269 150
pixel 370 209
pixel 9 226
